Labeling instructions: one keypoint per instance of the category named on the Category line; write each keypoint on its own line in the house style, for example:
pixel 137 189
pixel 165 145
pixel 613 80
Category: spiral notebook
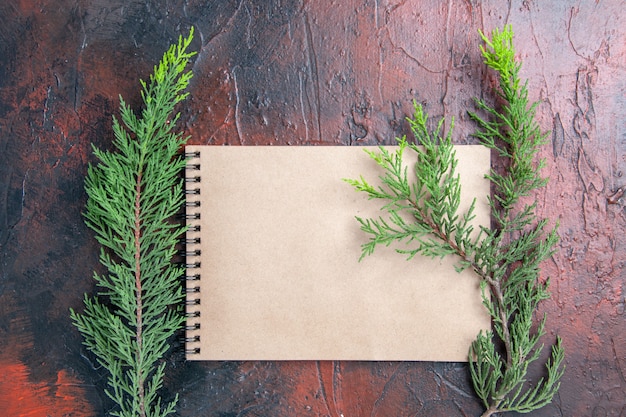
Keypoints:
pixel 273 269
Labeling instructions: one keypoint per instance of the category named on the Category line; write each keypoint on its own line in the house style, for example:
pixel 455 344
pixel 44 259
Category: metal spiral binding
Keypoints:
pixel 192 253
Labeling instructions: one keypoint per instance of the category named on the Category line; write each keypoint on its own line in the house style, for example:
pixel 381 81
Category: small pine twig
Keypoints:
pixel 132 194
pixel 507 257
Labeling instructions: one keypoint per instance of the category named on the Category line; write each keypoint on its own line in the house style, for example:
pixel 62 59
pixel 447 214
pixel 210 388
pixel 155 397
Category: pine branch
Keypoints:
pixel 423 212
pixel 132 194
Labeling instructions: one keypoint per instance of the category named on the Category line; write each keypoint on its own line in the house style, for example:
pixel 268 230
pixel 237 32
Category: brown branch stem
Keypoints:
pixel 494 285
pixel 138 295
pixel 490 412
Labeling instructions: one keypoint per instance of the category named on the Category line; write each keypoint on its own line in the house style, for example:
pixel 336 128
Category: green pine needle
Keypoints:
pixel 422 213
pixel 132 194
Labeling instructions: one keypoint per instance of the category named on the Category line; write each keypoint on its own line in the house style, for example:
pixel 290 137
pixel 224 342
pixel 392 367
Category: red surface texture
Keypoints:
pixel 303 73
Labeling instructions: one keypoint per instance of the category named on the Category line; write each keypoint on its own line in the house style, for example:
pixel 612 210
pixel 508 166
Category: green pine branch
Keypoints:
pixel 422 213
pixel 132 195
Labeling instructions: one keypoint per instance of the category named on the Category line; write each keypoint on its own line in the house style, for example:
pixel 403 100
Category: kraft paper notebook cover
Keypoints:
pixel 273 262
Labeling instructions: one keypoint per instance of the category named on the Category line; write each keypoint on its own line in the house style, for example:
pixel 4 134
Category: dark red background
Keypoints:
pixel 302 73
